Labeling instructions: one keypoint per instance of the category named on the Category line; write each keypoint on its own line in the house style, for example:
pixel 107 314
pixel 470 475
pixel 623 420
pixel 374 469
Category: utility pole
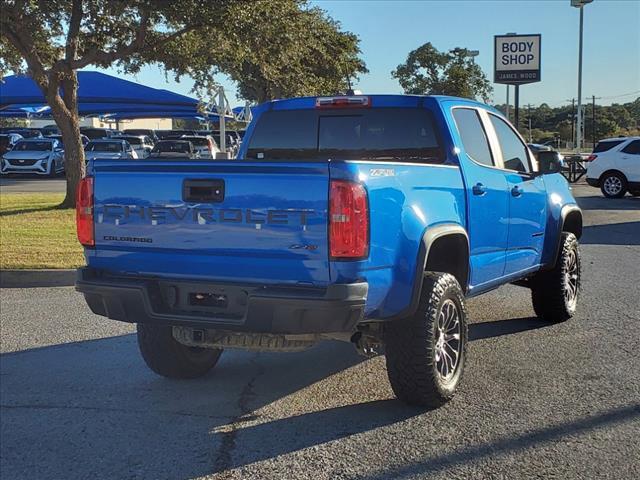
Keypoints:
pixel 516 108
pixel 573 116
pixel 516 100
pixel 507 109
pixel 529 118
pixel 593 119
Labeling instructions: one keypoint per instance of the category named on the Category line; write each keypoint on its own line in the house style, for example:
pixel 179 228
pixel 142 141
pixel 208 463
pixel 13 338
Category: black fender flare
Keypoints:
pixel 565 212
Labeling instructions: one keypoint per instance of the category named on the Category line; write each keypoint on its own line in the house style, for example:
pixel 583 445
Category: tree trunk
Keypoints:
pixel 65 113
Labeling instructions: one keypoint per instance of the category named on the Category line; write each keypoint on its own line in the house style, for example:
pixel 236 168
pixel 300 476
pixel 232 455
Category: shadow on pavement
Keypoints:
pixel 627 233
pixel 514 443
pixel 93 410
pixel 602 203
pixel 498 328
pixel 272 439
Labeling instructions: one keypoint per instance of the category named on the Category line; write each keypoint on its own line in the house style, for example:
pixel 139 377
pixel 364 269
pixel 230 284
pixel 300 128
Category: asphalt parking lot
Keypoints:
pixel 538 401
pixel 31 184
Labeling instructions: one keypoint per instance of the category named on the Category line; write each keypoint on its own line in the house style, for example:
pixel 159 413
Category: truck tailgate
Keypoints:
pixel 229 221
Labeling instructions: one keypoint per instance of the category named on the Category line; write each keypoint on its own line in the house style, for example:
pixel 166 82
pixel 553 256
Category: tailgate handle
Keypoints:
pixel 208 191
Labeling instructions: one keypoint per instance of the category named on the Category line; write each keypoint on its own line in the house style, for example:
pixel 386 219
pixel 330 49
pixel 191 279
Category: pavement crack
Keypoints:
pixel 229 432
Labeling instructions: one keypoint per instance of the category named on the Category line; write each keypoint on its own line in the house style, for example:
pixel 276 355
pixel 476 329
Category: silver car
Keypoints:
pixel 42 156
pixel 142 144
pixel 109 150
pixel 205 145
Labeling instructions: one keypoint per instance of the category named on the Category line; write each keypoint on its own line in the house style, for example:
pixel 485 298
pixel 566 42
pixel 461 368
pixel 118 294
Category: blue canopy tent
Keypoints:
pixel 93 87
pixel 109 98
pixel 100 95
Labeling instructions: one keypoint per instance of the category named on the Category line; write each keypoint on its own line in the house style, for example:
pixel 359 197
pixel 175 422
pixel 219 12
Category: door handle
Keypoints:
pixel 516 192
pixel 479 189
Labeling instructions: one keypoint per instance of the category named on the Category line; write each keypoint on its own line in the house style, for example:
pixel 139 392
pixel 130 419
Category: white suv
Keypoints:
pixel 614 166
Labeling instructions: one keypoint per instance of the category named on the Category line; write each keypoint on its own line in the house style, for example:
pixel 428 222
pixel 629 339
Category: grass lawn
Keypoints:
pixel 36 234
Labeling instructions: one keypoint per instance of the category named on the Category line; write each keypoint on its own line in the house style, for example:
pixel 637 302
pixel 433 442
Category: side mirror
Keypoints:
pixel 549 162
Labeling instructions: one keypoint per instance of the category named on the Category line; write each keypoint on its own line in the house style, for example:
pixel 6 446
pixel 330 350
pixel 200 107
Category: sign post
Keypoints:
pixel 516 62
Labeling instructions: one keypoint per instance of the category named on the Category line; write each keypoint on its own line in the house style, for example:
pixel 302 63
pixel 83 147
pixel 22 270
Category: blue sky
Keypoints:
pixel 389 30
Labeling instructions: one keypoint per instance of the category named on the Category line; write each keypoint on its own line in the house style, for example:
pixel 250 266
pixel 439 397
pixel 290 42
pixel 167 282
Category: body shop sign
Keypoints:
pixel 517 59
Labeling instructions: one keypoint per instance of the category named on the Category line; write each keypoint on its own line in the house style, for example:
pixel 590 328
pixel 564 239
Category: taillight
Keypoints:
pixel 84 212
pixel 348 220
pixel 591 158
pixel 357 101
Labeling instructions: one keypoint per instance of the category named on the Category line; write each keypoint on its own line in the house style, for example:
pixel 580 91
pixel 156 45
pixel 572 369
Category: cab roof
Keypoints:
pixel 377 100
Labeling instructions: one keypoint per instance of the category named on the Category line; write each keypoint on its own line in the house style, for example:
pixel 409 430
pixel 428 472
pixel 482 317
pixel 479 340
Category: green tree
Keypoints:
pixel 540 116
pixel 565 132
pixel 634 110
pixel 428 71
pixel 254 42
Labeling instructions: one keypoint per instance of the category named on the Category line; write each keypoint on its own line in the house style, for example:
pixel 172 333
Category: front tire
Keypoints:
pixel 613 185
pixel 426 353
pixel 554 293
pixel 167 357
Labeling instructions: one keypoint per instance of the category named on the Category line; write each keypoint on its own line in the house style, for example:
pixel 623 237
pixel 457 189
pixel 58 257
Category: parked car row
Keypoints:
pixel 27 150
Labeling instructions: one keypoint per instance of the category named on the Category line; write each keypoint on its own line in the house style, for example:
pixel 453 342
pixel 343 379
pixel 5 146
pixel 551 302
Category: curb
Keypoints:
pixel 37 278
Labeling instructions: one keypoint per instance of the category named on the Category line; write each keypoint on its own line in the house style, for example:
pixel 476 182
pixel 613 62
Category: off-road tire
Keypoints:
pixel 613 177
pixel 169 358
pixel 411 345
pixel 550 289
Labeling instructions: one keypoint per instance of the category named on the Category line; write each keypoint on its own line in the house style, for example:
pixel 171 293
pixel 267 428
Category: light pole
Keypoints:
pixel 580 5
pixel 507 109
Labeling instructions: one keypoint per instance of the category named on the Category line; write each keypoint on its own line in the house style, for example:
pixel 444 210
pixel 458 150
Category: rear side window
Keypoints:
pixel 474 138
pixel 633 148
pixel 395 134
pixel 606 145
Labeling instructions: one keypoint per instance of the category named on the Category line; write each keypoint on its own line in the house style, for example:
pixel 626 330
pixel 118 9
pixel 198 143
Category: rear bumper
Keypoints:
pixel 594 182
pixel 254 308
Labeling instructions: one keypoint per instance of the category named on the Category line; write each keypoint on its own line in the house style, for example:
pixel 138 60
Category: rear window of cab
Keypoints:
pixel 390 134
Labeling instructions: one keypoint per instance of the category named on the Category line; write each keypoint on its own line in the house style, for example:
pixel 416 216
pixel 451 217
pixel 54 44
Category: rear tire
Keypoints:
pixel 613 185
pixel 554 293
pixel 167 357
pixel 426 353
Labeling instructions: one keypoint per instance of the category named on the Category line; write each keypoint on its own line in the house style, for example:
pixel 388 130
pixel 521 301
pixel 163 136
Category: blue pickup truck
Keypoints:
pixel 368 219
